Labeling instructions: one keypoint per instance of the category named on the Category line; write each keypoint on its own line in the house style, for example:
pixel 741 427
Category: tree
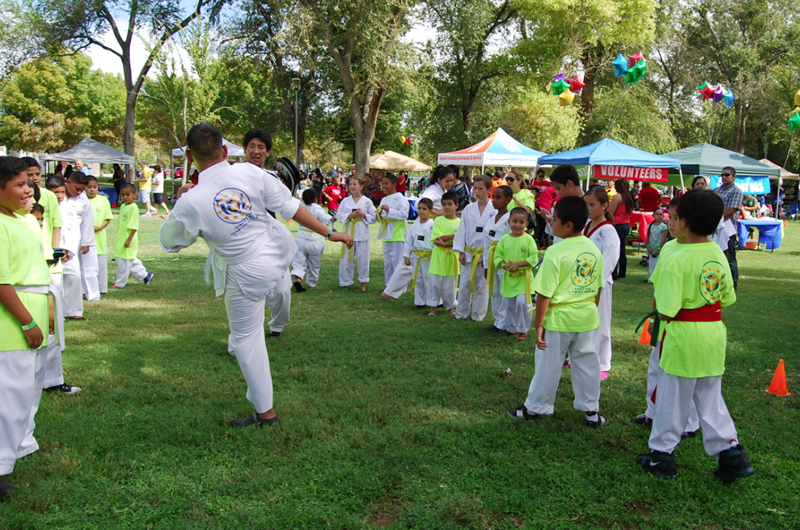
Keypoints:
pixel 20 34
pixel 79 24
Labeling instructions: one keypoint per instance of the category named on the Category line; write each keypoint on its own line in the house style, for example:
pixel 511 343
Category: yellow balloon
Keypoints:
pixel 566 97
pixel 797 98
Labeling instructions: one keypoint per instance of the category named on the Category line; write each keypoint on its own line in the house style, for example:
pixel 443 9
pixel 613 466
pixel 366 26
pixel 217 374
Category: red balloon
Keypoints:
pixel 575 84
pixel 635 58
pixel 707 92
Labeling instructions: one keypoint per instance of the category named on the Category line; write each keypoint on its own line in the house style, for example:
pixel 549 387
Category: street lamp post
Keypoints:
pixel 296 83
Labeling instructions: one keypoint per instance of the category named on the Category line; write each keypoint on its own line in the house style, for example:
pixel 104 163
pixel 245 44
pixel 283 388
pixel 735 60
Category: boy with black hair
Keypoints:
pixel 496 228
pixel 690 289
pixel 47 199
pixel 77 238
pixel 416 259
pixel 568 288
pixel 310 245
pixel 443 269
pixel 567 183
pixel 101 209
pixel 126 247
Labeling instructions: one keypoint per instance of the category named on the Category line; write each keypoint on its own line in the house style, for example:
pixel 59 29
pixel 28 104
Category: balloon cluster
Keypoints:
pixel 633 68
pixel 566 89
pixel 716 93
pixel 406 140
pixel 794 119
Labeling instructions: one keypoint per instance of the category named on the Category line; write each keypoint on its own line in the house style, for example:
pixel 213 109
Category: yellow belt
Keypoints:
pixel 592 299
pixel 490 268
pixel 528 272
pixel 384 223
pixel 448 251
pixel 477 253
pixel 420 254
pixel 349 228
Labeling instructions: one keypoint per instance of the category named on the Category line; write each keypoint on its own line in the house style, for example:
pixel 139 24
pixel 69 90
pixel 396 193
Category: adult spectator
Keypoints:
pixel 145 186
pixel 749 205
pixel 637 187
pixel 460 189
pixel 83 168
pixel 441 181
pixel 540 182
pixel 523 198
pixel 118 178
pixel 649 198
pixel 402 183
pixel 732 197
pixel 621 207
pixel 158 189
pixel 317 183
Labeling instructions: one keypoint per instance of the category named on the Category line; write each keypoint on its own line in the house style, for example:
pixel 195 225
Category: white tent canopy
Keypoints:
pixel 498 149
pixel 91 152
pixel 233 149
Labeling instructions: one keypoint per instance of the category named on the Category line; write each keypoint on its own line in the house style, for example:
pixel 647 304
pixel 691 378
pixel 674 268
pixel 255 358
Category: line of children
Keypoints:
pixel 356 212
pixel 126 248
pixel 310 245
pixel 416 262
pixel 496 228
pixel 393 216
pixel 444 262
pixel 101 209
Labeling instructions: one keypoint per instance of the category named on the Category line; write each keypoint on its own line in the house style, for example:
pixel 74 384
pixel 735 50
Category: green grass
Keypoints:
pixel 389 419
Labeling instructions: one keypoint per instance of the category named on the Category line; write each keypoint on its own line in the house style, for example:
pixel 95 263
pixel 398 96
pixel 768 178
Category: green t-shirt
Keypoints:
pixel 52 213
pixel 525 197
pixel 147 174
pixel 749 201
pixel 101 209
pixel 522 248
pixel 22 263
pixel 128 220
pixel 444 262
pixel 694 275
pixel 571 274
pixel 655 234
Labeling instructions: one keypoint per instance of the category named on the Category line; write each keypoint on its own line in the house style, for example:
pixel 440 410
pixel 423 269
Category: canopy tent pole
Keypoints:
pixel 683 186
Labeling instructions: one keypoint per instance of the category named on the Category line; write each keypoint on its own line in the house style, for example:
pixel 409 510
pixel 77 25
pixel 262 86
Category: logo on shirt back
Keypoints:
pixel 232 205
pixel 712 281
pixel 584 271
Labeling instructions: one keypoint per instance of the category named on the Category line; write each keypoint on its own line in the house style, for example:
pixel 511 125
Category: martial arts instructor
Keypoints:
pixel 248 256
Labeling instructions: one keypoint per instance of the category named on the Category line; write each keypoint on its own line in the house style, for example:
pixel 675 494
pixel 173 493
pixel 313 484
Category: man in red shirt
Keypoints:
pixel 649 198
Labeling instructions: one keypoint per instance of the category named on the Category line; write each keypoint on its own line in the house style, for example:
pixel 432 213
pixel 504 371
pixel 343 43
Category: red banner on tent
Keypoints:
pixel 645 174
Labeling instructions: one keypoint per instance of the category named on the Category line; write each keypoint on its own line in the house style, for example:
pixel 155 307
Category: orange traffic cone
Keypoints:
pixel 645 338
pixel 785 222
pixel 778 387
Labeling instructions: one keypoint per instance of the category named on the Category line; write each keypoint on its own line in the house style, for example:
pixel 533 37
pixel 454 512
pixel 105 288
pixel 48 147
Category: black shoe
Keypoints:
pixel 641 419
pixel 688 434
pixel 522 414
pixel 733 464
pixel 601 420
pixel 495 329
pixel 65 389
pixel 5 489
pixel 423 306
pixel 299 287
pixel 274 334
pixel 658 463
pixel 254 420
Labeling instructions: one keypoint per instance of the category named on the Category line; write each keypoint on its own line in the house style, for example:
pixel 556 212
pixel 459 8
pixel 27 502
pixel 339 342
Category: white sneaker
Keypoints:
pixel 147 214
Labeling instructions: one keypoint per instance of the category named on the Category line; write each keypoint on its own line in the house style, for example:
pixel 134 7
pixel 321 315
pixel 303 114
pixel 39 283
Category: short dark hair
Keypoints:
pixel 499 173
pixel 702 210
pixel 78 177
pixel 427 202
pixel 38 208
pixel 10 168
pixel 258 134
pixel 455 169
pixel 391 177
pixel 572 210
pixel 540 171
pixel 732 170
pixel 565 172
pixel 483 179
pixel 91 178
pixel 518 211
pixel 310 196
pixel 506 191
pixel 30 162
pixel 54 181
pixel 673 202
pixel 450 196
pixel 204 141
pixel 127 186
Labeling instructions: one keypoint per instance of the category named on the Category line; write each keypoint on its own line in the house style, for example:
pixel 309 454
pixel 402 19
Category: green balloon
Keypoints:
pixel 794 121
pixel 559 86
pixel 636 73
pixel 701 87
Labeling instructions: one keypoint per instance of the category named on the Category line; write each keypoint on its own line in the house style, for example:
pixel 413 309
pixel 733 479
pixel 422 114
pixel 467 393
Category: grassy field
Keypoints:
pixel 389 419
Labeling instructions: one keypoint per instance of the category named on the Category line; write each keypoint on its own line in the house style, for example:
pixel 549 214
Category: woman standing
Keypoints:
pixel 441 181
pixel 118 179
pixel 621 207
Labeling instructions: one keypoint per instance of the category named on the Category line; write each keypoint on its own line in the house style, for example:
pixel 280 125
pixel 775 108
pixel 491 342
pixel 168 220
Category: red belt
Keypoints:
pixel 706 313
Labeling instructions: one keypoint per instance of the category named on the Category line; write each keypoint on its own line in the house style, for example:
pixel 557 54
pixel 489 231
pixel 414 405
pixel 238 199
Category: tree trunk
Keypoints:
pixel 740 127
pixel 128 133
pixel 301 135
pixel 587 94
pixel 364 116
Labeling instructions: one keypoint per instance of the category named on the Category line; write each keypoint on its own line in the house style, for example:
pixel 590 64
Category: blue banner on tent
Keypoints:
pixel 748 185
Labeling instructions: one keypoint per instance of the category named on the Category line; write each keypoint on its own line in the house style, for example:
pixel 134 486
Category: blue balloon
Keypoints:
pixel 620 65
pixel 727 99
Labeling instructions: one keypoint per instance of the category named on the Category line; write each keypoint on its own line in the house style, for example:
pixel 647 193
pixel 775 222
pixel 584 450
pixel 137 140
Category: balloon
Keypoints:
pixel 794 121
pixel 797 98
pixel 728 98
pixel 719 93
pixel 559 77
pixel 636 73
pixel 707 92
pixel 701 87
pixel 635 58
pixel 620 65
pixel 566 97
pixel 403 139
pixel 575 84
pixel 559 86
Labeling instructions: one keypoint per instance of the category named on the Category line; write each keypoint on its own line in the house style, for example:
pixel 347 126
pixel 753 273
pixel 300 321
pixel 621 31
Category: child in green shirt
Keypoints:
pixel 101 209
pixel 126 248
pixel 516 254
pixel 444 262
pixel 568 288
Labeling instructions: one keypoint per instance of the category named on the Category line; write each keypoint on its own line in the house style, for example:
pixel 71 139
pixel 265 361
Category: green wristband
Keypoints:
pixel 29 326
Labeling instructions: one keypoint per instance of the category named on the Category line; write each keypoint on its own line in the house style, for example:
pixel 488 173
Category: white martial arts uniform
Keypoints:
pixel 310 246
pixel 693 423
pixel 78 231
pixel 393 250
pixel 359 229
pixel 248 255
pixel 495 229
pixel 607 241
pixel 434 193
pixel 417 248
pixel 471 240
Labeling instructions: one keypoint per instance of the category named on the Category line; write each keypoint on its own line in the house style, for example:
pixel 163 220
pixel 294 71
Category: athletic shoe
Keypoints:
pixel 688 434
pixel 495 329
pixel 601 420
pixel 298 286
pixel 65 389
pixel 5 489
pixel 641 419
pixel 147 215
pixel 274 334
pixel 522 414
pixel 733 464
pixel 658 463
pixel 432 314
pixel 149 278
pixel 423 306
pixel 254 420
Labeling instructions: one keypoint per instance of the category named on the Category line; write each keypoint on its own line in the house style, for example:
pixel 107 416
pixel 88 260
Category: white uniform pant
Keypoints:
pixel 29 444
pixel 392 257
pixel 102 273
pixel 73 288
pixel 126 267
pixel 518 319
pixel 53 371
pixel 442 290
pixel 279 301
pixel 549 364
pixel 89 271
pixel 651 265
pixel 306 261
pixel 404 274
pixel 479 299
pixel 604 333
pixel 693 423
pixel 248 344
pixel 17 394
pixel 360 258
pixel 674 400
pixel 499 302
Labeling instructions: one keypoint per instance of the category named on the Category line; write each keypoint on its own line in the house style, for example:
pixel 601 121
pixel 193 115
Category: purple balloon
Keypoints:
pixel 559 76
pixel 719 93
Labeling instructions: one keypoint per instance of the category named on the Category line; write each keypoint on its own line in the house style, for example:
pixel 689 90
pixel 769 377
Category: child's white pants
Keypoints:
pixel 549 363
pixel 442 290
pixel 693 423
pixel 360 258
pixel 674 400
pixel 279 301
pixel 89 271
pixel 73 288
pixel 651 265
pixel 392 258
pixel 404 274
pixel 306 261
pixel 479 299
pixel 102 273
pixel 29 444
pixel 499 302
pixel 518 320
pixel 126 267
pixel 53 371
pixel 604 333
pixel 17 394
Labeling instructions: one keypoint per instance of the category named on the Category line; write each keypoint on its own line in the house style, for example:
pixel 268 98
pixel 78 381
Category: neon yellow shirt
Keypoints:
pixel 525 197
pixel 128 220
pixel 101 209
pixel 694 276
pixel 147 174
pixel 22 263
pixel 571 274
pixel 444 262
pixel 52 213
pixel 522 248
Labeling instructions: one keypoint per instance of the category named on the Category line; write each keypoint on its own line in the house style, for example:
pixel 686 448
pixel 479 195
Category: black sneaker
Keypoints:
pixel 601 420
pixel 688 434
pixel 299 287
pixel 658 463
pixel 423 306
pixel 65 389
pixel 495 329
pixel 254 420
pixel 5 489
pixel 641 419
pixel 522 414
pixel 274 334
pixel 733 464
